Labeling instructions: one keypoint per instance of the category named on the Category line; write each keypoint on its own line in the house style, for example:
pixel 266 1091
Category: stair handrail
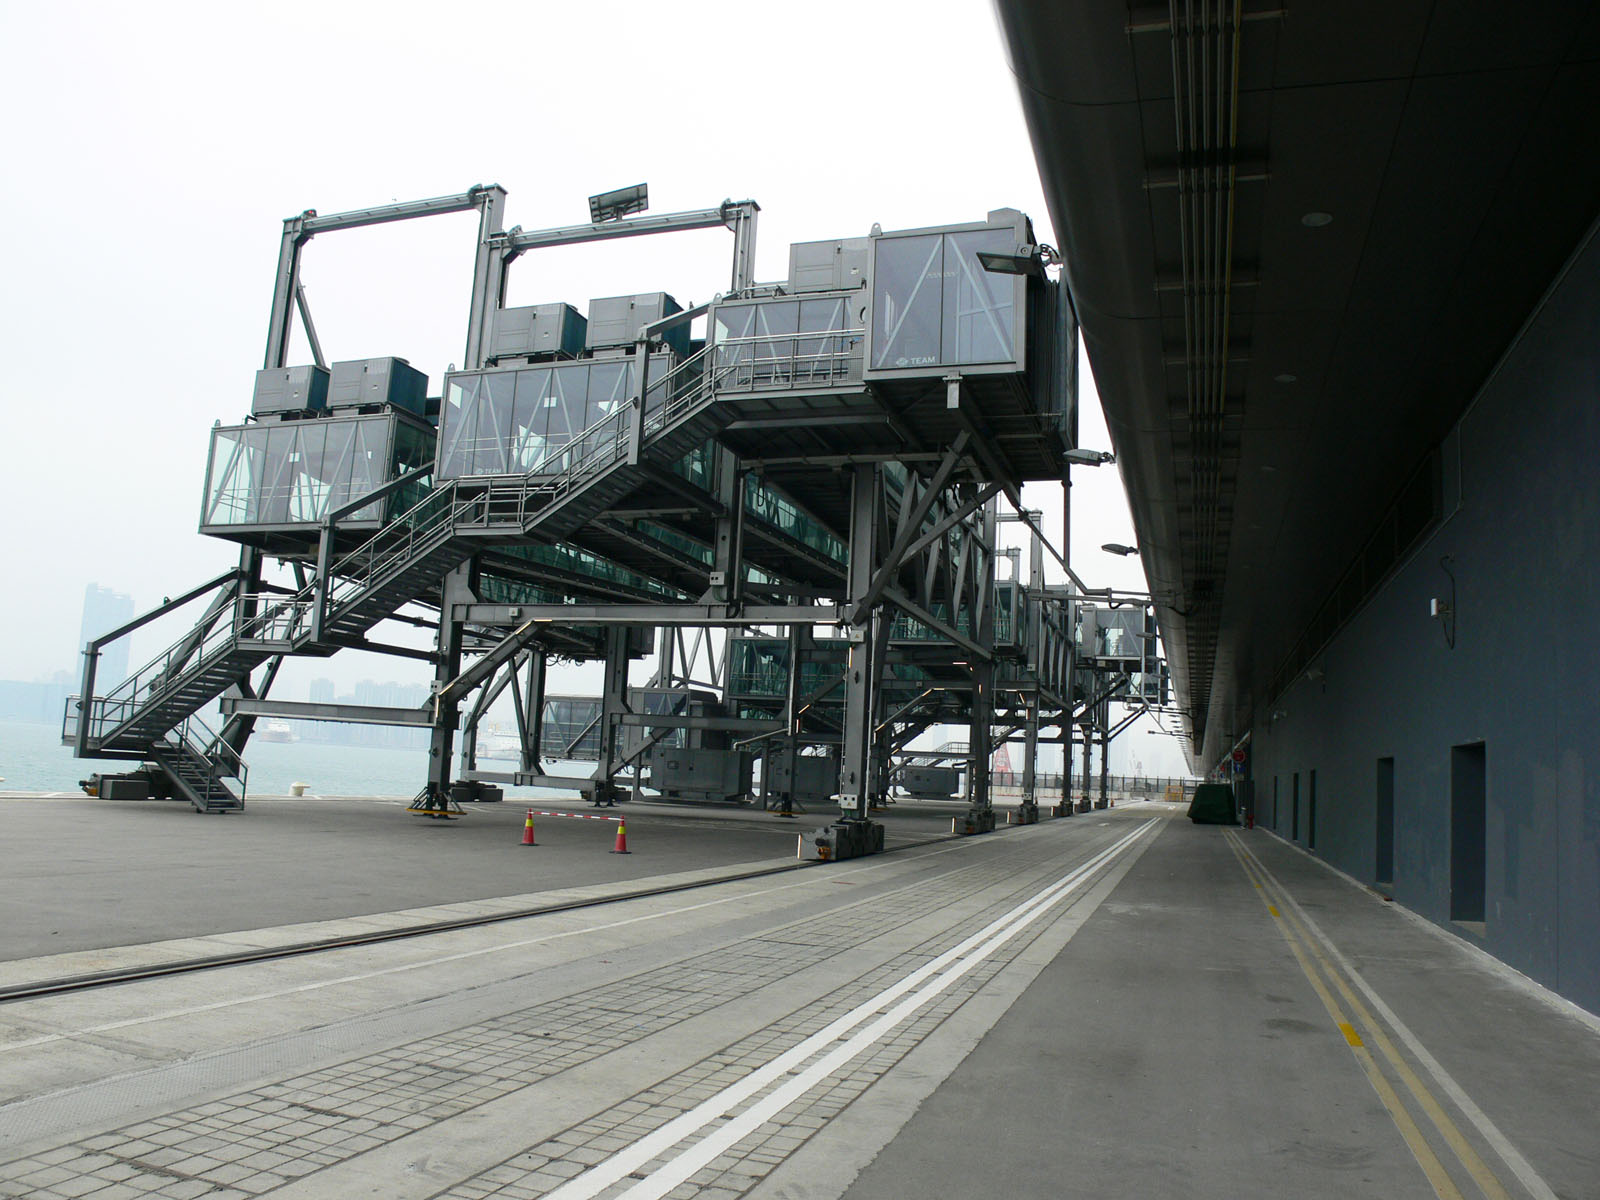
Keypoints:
pixel 306 612
pixel 599 444
pixel 403 538
pixel 421 528
pixel 224 624
pixel 221 760
pixel 831 362
pixel 595 450
pixel 414 534
pixel 106 715
pixel 86 700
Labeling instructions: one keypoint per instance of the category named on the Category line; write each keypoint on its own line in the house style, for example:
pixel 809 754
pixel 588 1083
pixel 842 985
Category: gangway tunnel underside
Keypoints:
pixel 790 495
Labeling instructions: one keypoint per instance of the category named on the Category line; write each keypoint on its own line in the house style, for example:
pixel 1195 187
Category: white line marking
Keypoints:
pixel 923 985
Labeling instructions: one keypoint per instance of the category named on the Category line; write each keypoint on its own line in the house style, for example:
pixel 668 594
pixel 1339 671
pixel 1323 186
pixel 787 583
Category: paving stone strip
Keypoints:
pixel 251 1143
pixel 539 1169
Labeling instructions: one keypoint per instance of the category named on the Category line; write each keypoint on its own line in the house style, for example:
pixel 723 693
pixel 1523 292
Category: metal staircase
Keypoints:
pixel 150 713
pixel 198 766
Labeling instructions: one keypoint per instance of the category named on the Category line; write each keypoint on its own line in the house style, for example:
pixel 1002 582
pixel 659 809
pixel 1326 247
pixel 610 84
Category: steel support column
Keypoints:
pixel 854 833
pixel 238 731
pixel 860 684
pixel 613 704
pixel 980 816
pixel 457 592
pixel 1105 755
pixel 488 276
pixel 530 725
pixel 727 549
pixel 1064 807
pixel 1028 809
pixel 1087 731
pixel 786 750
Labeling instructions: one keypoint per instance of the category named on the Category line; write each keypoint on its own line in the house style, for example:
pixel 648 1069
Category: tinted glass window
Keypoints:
pixel 977 303
pixel 458 422
pixel 906 301
pixel 530 419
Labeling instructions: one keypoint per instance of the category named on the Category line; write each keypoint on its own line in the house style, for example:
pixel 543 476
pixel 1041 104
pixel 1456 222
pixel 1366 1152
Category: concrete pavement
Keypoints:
pixel 1119 1003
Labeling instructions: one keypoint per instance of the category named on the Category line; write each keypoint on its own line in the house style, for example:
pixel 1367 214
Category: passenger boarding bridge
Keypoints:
pixel 805 477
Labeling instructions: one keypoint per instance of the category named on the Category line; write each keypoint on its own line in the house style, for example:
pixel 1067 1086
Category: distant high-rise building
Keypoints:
pixel 103 611
pixel 322 691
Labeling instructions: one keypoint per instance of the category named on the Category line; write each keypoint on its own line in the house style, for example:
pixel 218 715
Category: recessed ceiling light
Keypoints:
pixel 1316 220
pixel 1269 470
pixel 1284 378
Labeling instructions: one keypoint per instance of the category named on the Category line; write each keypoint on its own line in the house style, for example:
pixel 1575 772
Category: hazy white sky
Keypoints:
pixel 151 151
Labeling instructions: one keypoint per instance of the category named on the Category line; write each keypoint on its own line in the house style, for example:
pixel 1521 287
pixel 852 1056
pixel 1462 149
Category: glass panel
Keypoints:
pixel 413 448
pixel 336 464
pixel 458 422
pixel 309 484
pixel 277 479
pixel 660 367
pixel 234 477
pixel 566 401
pixel 774 357
pixel 821 358
pixel 978 304
pixel 906 300
pixel 733 323
pixel 699 466
pixel 530 419
pixel 492 442
pixel 610 385
pixel 368 438
pixel 678 541
pixel 775 511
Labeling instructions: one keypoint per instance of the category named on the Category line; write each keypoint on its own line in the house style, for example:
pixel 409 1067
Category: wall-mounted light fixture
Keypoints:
pixel 1089 458
pixel 1022 259
pixel 1442 610
pixel 614 205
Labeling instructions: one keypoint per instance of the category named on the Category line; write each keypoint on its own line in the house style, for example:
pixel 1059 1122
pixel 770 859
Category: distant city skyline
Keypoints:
pixel 103 610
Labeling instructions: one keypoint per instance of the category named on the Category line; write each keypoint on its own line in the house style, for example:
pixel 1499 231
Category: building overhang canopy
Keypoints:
pixel 1299 238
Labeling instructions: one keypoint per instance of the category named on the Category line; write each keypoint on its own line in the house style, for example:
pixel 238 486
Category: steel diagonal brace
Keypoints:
pixel 909 705
pixel 1125 722
pixel 900 599
pixel 980 443
pixel 492 693
pixel 511 645
pixel 909 525
pixel 1110 690
pixel 950 521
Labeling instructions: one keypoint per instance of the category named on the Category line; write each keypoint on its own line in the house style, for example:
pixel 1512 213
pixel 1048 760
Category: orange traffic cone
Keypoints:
pixel 622 839
pixel 527 831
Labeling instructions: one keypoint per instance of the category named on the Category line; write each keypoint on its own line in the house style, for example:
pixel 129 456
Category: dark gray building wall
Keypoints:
pixel 1522 534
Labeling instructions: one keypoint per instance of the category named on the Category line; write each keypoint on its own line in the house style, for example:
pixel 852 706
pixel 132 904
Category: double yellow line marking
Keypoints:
pixel 1327 979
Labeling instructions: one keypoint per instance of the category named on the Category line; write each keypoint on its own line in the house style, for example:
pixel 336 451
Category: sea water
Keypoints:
pixel 32 759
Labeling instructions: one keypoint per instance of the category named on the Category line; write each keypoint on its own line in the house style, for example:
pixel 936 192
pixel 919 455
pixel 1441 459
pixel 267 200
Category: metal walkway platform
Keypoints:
pixel 1109 1005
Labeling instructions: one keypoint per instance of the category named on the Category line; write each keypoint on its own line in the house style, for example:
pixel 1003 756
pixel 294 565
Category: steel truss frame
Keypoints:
pixel 918 585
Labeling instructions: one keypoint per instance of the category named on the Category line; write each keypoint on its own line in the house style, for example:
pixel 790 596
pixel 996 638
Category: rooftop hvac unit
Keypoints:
pixel 616 321
pixel 363 381
pixel 290 390
pixel 556 330
pixel 830 266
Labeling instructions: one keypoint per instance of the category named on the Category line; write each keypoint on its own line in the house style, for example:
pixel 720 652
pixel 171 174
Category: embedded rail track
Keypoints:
pixel 89 981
